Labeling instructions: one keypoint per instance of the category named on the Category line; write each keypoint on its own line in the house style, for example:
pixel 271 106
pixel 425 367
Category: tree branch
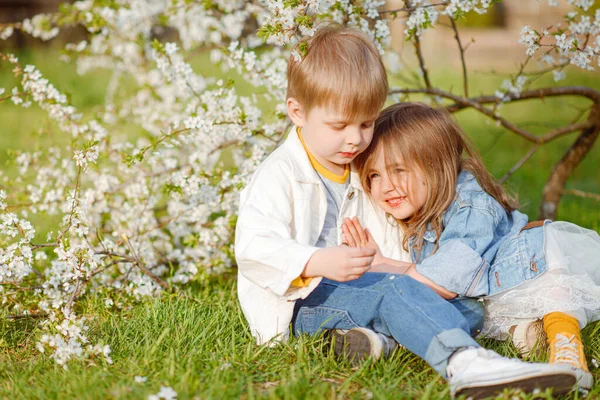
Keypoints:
pixel 583 91
pixel 554 188
pixel 520 163
pixel 465 103
pixel 422 62
pixel 142 268
pixel 462 57
pixel 580 193
pixel 462 103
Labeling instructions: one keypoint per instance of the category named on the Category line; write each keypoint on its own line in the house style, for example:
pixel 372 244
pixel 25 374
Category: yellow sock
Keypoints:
pixel 564 339
pixel 558 322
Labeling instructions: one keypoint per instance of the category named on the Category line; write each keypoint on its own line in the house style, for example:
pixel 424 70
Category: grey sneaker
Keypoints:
pixel 356 344
pixel 479 373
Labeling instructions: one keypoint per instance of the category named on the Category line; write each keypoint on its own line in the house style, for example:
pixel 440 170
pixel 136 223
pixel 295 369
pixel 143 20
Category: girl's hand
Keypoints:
pixel 355 236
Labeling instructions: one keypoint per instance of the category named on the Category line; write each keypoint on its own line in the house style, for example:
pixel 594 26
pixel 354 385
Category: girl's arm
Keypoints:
pixel 401 267
pixel 355 236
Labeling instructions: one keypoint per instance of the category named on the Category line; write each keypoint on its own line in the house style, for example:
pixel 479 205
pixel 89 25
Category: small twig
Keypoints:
pixel 580 193
pixel 422 62
pixel 78 286
pixel 520 163
pixel 24 316
pixel 543 71
pixel 418 51
pixel 558 132
pixel 102 269
pixel 145 270
pixel 462 57
pixel 39 246
pixel 21 288
pixel 74 204
pixel 410 9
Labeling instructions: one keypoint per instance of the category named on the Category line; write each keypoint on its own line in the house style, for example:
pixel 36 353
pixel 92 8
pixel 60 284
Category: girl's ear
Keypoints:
pixel 295 111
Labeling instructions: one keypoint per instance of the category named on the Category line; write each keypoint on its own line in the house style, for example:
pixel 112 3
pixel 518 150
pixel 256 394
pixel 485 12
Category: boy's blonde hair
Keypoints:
pixel 342 69
pixel 431 141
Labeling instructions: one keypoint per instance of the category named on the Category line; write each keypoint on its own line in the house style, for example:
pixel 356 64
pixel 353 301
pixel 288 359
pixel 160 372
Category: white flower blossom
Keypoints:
pixel 530 39
pixel 558 75
pixel 6 33
pixel 165 392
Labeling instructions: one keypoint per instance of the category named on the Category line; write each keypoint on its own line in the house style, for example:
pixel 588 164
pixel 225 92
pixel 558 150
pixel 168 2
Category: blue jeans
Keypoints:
pixel 395 305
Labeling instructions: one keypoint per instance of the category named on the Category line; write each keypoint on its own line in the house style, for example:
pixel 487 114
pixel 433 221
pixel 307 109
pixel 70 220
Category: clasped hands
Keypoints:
pixel 358 255
pixel 354 235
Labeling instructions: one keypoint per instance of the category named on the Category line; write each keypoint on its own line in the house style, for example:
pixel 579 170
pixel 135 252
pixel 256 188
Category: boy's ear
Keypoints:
pixel 295 111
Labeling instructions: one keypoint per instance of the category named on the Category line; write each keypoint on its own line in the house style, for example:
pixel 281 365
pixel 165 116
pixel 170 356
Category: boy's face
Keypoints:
pixel 397 189
pixel 330 137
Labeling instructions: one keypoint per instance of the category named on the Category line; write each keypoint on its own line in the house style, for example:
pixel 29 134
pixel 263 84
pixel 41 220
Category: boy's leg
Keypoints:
pixel 395 305
pixel 473 310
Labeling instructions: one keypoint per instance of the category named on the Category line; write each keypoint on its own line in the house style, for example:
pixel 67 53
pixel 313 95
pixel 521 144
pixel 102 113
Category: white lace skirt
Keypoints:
pixel 571 284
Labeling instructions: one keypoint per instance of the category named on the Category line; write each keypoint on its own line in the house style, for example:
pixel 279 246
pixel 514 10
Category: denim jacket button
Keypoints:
pixel 533 266
pixel 350 195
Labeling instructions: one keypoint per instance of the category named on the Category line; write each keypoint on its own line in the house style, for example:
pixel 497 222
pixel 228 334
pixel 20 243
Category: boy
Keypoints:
pixel 292 267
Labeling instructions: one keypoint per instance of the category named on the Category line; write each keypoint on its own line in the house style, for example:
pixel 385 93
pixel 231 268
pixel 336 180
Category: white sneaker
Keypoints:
pixel 357 344
pixel 479 373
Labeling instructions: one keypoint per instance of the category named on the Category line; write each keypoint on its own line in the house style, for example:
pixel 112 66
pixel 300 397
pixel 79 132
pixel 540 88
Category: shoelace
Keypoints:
pixel 566 351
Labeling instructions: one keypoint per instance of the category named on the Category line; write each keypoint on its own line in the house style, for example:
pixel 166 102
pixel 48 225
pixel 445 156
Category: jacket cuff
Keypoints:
pixel 300 254
pixel 462 275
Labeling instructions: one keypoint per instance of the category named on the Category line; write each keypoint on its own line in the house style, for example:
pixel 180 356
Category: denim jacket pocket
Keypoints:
pixel 518 260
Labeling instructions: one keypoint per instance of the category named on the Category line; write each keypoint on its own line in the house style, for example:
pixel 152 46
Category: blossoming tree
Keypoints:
pixel 141 216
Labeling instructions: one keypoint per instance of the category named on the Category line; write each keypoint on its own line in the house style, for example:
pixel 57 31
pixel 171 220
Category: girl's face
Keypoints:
pixel 397 188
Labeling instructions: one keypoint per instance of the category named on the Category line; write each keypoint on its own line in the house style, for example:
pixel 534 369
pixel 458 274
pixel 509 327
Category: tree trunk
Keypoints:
pixel 562 169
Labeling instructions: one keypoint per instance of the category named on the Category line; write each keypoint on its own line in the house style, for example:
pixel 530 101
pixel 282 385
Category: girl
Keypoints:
pixel 466 238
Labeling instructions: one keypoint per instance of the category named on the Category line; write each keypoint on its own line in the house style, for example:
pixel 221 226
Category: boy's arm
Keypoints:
pixel 265 251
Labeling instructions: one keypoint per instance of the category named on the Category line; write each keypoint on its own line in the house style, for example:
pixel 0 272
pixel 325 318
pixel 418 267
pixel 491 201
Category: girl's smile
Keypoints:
pixel 395 201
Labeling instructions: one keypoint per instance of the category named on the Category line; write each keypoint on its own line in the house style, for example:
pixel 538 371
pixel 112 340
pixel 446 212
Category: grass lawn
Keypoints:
pixel 199 344
pixel 201 347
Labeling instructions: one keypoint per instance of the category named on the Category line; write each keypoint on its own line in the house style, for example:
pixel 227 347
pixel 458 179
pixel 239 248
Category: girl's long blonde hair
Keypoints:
pixel 431 141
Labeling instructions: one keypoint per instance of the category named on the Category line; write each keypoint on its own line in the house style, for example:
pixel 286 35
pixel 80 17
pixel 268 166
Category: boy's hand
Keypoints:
pixel 356 236
pixel 340 263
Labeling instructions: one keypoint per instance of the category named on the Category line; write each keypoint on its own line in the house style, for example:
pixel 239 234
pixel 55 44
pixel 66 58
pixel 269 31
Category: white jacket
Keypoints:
pixel 282 213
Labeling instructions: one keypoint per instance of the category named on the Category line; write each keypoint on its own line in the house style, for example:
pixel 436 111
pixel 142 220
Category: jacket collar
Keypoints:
pixel 303 170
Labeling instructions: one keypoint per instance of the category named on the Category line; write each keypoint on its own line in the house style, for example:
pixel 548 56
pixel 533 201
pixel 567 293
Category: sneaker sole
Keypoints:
pixel 585 380
pixel 561 383
pixel 353 345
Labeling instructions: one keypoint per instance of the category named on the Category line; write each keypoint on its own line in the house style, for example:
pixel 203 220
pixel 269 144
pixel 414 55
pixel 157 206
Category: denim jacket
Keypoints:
pixel 483 250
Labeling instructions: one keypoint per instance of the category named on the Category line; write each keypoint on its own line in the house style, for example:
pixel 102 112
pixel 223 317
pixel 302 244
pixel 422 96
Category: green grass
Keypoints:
pixel 200 345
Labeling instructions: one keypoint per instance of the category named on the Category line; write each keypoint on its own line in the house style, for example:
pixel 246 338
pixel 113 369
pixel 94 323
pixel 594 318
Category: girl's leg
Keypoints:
pixel 566 347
